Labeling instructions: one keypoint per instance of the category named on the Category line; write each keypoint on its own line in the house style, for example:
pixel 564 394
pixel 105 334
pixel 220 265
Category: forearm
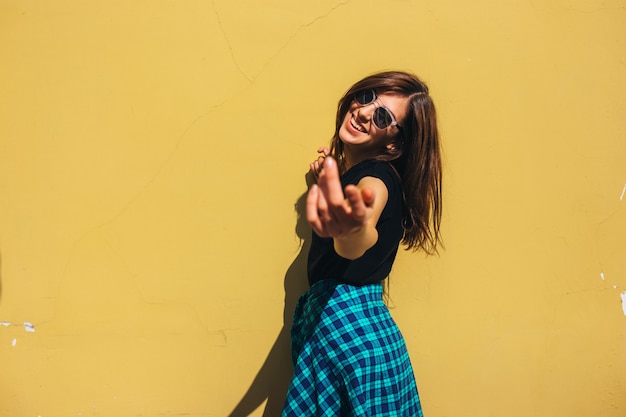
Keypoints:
pixel 354 244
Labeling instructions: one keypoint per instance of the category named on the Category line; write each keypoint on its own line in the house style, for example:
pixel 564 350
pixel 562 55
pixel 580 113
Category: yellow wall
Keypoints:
pixel 152 152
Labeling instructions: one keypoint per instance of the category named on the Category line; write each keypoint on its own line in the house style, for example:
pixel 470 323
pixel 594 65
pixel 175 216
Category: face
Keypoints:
pixel 359 133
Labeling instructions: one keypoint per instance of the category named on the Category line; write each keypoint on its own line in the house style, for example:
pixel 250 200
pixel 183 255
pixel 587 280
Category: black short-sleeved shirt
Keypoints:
pixel 375 264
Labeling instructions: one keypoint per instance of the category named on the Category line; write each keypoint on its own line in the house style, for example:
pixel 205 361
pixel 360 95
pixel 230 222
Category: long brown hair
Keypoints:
pixel 416 155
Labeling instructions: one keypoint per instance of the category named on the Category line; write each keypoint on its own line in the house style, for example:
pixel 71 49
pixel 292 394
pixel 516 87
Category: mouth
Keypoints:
pixel 357 126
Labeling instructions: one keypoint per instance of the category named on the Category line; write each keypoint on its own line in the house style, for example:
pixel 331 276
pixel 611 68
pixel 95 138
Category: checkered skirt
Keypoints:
pixel 349 356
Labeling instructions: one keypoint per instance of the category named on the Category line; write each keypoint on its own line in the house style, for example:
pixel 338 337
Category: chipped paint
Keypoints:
pixel 624 302
pixel 602 275
pixel 14 342
pixel 28 326
pixel 621 197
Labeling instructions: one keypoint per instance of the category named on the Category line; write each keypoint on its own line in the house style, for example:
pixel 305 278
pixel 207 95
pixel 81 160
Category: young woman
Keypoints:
pixel 378 185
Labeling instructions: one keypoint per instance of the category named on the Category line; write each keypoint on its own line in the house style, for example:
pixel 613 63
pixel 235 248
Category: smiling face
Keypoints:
pixel 362 139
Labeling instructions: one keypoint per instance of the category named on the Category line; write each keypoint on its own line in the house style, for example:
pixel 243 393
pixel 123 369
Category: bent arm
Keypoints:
pixel 351 219
pixel 354 244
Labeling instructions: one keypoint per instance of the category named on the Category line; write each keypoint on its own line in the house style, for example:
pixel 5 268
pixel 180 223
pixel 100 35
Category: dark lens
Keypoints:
pixel 382 118
pixel 365 97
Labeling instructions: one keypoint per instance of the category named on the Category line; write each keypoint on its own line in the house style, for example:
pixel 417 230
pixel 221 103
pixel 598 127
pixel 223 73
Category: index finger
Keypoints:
pixel 323 150
pixel 312 214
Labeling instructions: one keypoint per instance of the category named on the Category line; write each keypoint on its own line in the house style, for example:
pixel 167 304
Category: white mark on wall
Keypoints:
pixel 624 302
pixel 602 275
pixel 621 197
pixel 14 342
pixel 28 326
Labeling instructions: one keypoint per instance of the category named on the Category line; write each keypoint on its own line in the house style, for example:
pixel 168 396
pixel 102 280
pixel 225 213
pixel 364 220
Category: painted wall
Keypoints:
pixel 152 159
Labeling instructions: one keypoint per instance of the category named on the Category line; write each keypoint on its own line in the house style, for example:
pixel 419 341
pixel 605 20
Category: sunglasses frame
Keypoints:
pixel 378 106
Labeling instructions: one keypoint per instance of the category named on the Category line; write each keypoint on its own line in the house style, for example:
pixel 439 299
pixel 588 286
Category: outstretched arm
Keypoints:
pixel 351 219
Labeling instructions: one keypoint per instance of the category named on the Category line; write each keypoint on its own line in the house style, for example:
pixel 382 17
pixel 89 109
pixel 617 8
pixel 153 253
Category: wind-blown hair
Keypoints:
pixel 415 154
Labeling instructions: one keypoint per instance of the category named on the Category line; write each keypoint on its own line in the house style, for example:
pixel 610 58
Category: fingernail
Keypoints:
pixel 329 161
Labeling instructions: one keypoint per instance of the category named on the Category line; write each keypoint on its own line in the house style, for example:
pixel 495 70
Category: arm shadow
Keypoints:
pixel 272 380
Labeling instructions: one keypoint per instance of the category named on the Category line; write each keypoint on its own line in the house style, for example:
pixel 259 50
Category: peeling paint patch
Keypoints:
pixel 624 302
pixel 14 342
pixel 28 326
pixel 621 197
pixel 602 275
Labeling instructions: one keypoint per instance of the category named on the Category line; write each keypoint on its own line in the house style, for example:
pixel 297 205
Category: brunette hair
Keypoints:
pixel 415 154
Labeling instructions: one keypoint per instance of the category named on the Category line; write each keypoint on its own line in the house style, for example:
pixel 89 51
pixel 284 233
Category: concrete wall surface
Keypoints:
pixel 152 165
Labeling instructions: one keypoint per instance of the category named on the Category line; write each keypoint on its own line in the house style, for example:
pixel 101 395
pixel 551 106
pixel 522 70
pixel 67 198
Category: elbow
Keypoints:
pixel 352 249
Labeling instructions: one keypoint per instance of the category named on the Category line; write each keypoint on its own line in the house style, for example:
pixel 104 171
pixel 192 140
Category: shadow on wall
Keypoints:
pixel 0 277
pixel 272 380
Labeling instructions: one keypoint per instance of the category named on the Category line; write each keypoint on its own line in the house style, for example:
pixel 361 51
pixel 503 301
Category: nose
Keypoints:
pixel 364 113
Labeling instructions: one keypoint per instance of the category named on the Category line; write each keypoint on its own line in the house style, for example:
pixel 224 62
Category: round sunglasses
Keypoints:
pixel 382 116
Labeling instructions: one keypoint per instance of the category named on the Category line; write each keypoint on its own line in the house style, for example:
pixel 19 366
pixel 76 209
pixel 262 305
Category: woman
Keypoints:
pixel 378 185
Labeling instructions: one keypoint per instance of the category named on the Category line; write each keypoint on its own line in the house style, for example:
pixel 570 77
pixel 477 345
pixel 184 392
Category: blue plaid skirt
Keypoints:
pixel 349 356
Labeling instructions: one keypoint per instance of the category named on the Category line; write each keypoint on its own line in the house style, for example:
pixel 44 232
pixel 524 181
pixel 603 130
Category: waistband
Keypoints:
pixel 369 292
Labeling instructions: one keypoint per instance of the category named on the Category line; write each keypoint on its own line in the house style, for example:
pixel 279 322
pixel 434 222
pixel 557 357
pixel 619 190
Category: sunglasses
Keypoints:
pixel 382 116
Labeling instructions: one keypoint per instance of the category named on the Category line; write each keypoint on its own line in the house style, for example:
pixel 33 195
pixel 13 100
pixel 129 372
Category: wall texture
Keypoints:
pixel 152 162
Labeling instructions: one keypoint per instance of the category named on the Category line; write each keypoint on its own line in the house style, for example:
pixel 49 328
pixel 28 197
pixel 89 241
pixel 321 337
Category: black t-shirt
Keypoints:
pixel 375 264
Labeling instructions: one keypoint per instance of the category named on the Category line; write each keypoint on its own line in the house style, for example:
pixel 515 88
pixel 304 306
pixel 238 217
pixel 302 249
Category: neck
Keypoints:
pixel 353 157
